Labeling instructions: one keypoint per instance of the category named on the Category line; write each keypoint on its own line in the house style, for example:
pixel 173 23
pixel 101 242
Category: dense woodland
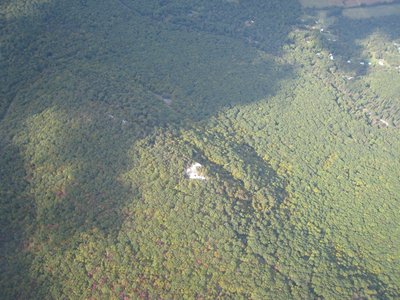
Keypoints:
pixel 293 113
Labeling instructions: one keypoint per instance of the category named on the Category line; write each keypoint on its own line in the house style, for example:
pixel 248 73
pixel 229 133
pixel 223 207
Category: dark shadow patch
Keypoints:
pixel 16 224
pixel 103 65
pixel 262 24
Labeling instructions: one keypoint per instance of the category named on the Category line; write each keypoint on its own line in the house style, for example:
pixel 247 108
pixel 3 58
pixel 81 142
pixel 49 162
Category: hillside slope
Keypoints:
pixel 105 105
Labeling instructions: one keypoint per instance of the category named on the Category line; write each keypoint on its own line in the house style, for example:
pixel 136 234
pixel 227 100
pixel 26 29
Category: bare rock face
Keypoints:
pixel 193 172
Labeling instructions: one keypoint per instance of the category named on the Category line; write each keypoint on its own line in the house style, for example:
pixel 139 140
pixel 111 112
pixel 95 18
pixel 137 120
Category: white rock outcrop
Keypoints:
pixel 193 172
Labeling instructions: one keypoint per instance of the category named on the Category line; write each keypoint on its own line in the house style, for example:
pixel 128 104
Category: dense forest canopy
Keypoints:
pixel 289 112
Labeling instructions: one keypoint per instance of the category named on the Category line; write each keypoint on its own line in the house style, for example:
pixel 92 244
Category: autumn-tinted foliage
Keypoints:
pixel 104 105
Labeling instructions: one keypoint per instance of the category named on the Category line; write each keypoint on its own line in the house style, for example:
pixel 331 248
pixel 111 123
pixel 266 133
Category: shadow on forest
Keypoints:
pixel 100 72
pixel 346 33
pixel 91 89
pixel 17 215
